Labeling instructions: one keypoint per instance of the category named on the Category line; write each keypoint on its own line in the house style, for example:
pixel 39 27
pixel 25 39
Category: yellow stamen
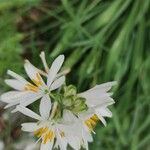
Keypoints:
pixel 91 122
pixel 40 132
pixel 95 117
pixel 45 133
pixel 37 82
pixel 31 87
pixel 48 137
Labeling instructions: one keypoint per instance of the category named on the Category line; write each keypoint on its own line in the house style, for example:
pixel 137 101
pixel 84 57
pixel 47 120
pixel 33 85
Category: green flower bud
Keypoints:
pixel 79 105
pixel 70 90
pixel 68 101
pixel 79 100
pixel 79 109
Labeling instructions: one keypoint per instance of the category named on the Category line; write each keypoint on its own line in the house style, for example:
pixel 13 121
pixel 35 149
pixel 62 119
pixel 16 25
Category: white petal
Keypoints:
pixel 105 112
pixel 30 98
pixel 104 87
pixel 16 76
pixel 103 105
pixel 32 71
pixel 68 117
pixel 74 142
pixel 95 94
pixel 31 146
pixel 61 141
pixel 87 136
pixel 55 67
pixel 101 118
pixel 47 146
pixel 15 84
pixel 103 121
pixel 45 106
pixel 28 112
pixel 57 83
pixel 13 96
pixel 86 145
pixel 10 105
pixel 29 127
pixel 87 114
pixel 42 55
pixel 95 98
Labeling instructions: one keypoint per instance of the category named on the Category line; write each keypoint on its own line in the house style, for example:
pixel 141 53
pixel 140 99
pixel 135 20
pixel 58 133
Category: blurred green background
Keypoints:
pixel 103 40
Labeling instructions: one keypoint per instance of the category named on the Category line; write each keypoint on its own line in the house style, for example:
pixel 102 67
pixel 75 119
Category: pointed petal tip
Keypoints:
pixel 114 83
pixel 62 56
pixel 105 124
pixel 8 71
pixel 103 121
pixel 26 61
pixel 42 54
pixel 111 102
pixel 6 81
pixel 6 107
pixel 14 111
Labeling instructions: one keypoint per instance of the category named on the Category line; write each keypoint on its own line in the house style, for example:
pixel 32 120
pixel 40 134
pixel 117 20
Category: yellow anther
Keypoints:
pixel 94 117
pixel 37 83
pixel 88 124
pixel 38 80
pixel 31 87
pixel 45 133
pixel 91 122
pixel 48 137
pixel 40 132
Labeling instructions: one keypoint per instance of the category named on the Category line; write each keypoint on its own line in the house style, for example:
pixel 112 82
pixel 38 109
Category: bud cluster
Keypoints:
pixel 68 99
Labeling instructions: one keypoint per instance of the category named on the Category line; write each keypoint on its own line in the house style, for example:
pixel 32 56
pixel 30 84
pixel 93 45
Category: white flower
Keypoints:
pixel 49 130
pixel 84 125
pixel 82 136
pixel 25 92
pixel 97 100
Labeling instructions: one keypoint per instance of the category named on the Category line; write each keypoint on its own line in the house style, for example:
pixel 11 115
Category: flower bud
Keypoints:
pixel 68 101
pixel 70 90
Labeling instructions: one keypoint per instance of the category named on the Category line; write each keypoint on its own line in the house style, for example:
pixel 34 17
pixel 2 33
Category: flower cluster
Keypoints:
pixel 66 117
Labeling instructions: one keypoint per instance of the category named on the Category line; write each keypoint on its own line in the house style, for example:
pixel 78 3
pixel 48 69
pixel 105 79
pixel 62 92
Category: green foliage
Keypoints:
pixel 102 40
pixel 9 4
pixel 10 47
